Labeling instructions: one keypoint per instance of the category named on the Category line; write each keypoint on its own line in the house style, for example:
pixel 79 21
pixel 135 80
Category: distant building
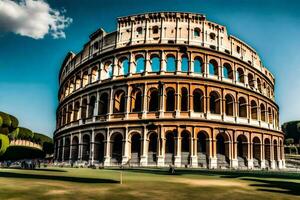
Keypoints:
pixel 167 88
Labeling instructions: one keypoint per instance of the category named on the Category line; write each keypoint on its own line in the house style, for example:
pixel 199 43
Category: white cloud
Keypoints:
pixel 32 18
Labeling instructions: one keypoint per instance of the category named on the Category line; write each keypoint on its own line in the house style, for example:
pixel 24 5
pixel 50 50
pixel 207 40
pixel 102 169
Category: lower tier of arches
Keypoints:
pixel 159 144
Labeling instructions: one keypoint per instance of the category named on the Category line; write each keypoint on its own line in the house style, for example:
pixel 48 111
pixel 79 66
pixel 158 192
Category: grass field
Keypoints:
pixel 65 183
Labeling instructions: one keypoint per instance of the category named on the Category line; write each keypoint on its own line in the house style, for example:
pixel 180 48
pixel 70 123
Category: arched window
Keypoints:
pixel 212 36
pixel 154 100
pixel 170 102
pixel 250 80
pixel 119 102
pixel 227 71
pixel 242 107
pixel 71 87
pixel 229 105
pixel 85 147
pixel 171 63
pixel 270 116
pixel 253 110
pixel 259 85
pixel 184 99
pixel 140 64
pixel 155 63
pixel 85 79
pixel 215 105
pixel 124 66
pixel 136 100
pixel 240 75
pixel 94 74
pixel 184 64
pixel 198 101
pixel 103 104
pixel 198 66
pixel 155 29
pixel 213 68
pixel 108 71
pixel 77 83
pixel 76 109
pixel 70 111
pixel 196 32
pixel 262 112
pixel 83 109
pixel 92 106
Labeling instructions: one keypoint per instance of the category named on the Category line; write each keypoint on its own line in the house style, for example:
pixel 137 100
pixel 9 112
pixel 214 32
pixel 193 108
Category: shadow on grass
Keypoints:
pixel 56 178
pixel 41 169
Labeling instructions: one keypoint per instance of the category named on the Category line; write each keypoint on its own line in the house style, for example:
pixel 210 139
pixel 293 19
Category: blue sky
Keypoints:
pixel 29 66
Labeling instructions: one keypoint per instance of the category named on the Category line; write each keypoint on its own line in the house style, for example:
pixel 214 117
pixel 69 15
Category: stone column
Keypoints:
pixel 163 63
pixel 107 147
pixel 71 149
pixel 262 156
pixel 250 155
pixel 193 151
pixel 177 146
pixel 111 104
pixel 79 147
pixel 128 101
pixel 273 164
pixel 92 146
pixel 161 147
pixel 233 160
pixel 212 154
pixel 145 99
pixel 177 101
pixel 147 63
pixel 144 145
pixel 63 151
pixel 126 148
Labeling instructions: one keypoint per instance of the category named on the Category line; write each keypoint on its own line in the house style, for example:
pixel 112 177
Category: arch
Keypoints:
pixel 223 145
pixel 92 106
pixel 270 115
pixel 117 148
pixel 267 144
pixel 229 105
pixel 64 117
pixel 69 114
pixel 123 66
pixel 185 147
pixel 259 85
pixel 154 100
pixel 198 65
pixel 86 147
pixel 108 70
pixel 197 32
pixel 251 80
pixel 253 110
pixel 135 148
pixel 71 87
pixel 262 112
pixel 275 146
pixel 242 150
pixel 103 104
pixel 75 148
pixel 227 71
pixel 85 79
pixel 170 148
pixel 184 63
pixel 256 149
pixel 242 107
pixel 99 148
pixel 202 138
pixel 215 104
pixel 119 101
pixel 155 63
pixel 240 75
pixel 136 100
pixel 77 83
pixel 213 67
pixel 170 100
pixel 198 100
pixel 94 74
pixel 152 148
pixel 184 99
pixel 67 149
pixel 171 63
pixel 140 64
pixel 76 111
pixel 155 29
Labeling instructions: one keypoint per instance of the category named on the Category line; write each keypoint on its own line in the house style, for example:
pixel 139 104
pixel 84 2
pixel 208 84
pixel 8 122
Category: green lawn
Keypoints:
pixel 65 183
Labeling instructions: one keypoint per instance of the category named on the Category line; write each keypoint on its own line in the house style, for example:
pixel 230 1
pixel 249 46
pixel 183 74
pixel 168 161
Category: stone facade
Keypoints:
pixel 167 88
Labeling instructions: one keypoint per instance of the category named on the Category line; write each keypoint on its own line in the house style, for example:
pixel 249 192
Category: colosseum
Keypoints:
pixel 167 88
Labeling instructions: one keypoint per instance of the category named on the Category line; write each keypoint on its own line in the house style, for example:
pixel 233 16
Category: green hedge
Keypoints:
pixel 14 122
pixel 6 119
pixel 20 152
pixel 4 143
pixel 25 134
pixel 41 139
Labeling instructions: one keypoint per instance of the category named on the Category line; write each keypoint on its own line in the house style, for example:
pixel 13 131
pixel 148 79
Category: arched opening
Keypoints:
pixel 229 105
pixel 267 152
pixel 108 71
pixel 154 100
pixel 198 65
pixel 92 106
pixel 256 152
pixel 213 68
pixel 251 80
pixel 222 141
pixel 215 105
pixel 185 148
pixel 196 32
pixel 123 68
pixel 259 85
pixel 76 110
pixel 152 148
pixel 64 121
pixel 270 116
pixel 117 148
pixel 86 148
pixel 103 104
pixel 99 148
pixel 262 112
pixel 253 110
pixel 83 109
pixel 184 99
pixel 240 75
pixel 136 100
pixel 71 87
pixel 155 63
pixel 275 146
pixel 119 102
pixel 227 71
pixel 170 101
pixel 171 63
pixel 202 148
pixel 67 149
pixel 242 150
pixel 77 83
pixel 184 64
pixel 198 100
pixel 140 64
pixel 155 29
pixel 242 107
pixel 85 79
pixel 70 111
pixel 135 149
pixel 75 148
pixel 170 150
pixel 94 74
